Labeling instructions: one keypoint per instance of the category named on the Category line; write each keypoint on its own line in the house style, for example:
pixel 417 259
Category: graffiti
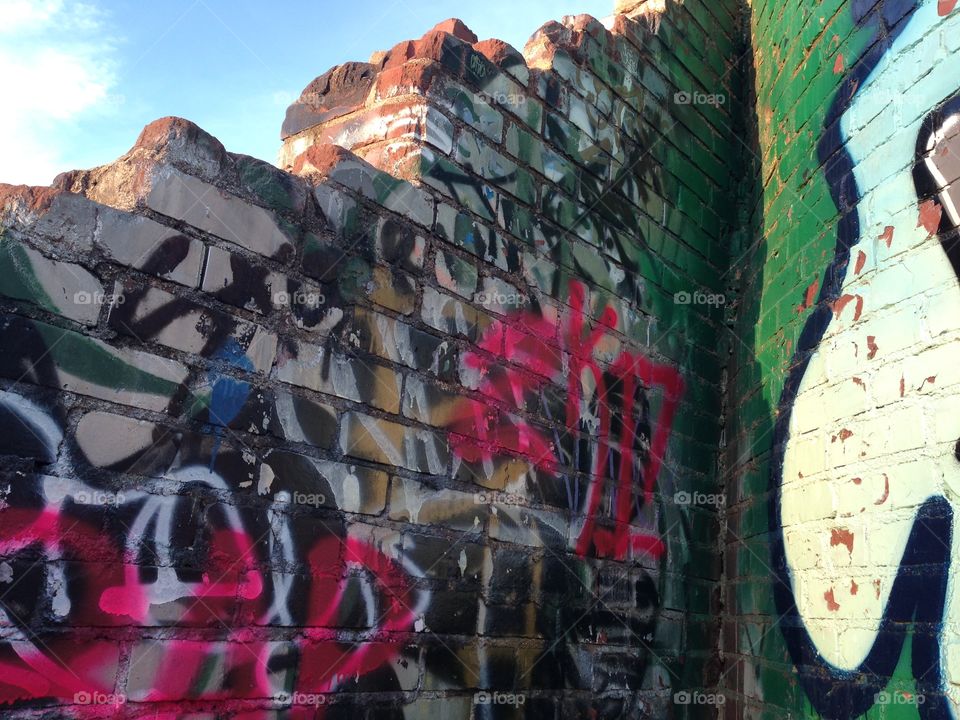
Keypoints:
pixel 143 573
pixel 853 587
pixel 117 559
pixel 603 454
pixel 329 442
pixel 113 559
pixel 608 435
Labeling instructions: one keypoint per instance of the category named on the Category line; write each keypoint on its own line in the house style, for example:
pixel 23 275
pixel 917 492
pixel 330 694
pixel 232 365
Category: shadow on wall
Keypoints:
pixel 748 423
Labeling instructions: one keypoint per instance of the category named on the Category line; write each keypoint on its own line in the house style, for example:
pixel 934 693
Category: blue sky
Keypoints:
pixel 81 79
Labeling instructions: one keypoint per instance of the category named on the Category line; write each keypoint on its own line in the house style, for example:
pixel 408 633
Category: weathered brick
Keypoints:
pixel 208 208
pixel 72 362
pixel 143 244
pixel 456 274
pixel 452 317
pixel 393 289
pixel 62 288
pixel 331 373
pixel 390 443
pixel 302 419
pixel 418 504
pixel 399 244
pixel 197 329
pixel 70 219
pixel 397 341
pixel 427 402
pixel 232 279
pixel 307 483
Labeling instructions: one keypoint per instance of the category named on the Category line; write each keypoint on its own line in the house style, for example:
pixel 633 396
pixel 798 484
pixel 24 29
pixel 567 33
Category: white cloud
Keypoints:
pixel 56 68
pixel 19 15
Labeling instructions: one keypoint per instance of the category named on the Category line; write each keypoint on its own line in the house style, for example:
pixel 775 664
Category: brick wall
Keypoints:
pixel 840 464
pixel 425 424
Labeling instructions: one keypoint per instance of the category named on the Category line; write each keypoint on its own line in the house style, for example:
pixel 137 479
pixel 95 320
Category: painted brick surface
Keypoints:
pixel 841 464
pixel 424 424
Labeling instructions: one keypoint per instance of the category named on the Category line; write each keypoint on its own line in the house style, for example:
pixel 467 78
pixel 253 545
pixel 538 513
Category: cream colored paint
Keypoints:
pixel 901 447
